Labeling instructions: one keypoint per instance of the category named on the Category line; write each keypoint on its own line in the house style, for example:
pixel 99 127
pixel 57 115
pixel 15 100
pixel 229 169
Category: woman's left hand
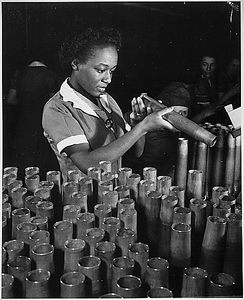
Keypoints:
pixel 139 110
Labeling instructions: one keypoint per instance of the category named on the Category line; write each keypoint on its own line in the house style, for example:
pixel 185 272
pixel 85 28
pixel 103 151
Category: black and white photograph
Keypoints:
pixel 121 152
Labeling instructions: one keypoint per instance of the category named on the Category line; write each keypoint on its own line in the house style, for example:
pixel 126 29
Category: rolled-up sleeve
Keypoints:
pixel 61 128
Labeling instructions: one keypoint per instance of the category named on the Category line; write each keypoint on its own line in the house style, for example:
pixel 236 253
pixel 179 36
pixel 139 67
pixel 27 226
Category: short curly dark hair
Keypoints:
pixel 84 44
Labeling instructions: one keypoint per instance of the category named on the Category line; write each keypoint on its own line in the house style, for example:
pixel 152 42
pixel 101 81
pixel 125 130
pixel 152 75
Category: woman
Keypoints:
pixel 83 124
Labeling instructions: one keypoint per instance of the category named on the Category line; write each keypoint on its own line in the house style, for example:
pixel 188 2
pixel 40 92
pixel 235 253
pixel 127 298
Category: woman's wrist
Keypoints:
pixel 135 118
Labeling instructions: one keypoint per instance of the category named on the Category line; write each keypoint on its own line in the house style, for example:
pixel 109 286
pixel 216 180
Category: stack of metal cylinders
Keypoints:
pixel 120 235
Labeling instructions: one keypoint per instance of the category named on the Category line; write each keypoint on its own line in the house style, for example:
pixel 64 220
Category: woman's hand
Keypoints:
pixel 139 110
pixel 156 122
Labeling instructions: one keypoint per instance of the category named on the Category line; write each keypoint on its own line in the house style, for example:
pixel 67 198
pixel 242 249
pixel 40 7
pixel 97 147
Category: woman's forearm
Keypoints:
pixel 83 158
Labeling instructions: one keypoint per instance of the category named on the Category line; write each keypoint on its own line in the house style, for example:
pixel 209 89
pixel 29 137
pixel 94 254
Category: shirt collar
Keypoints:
pixel 80 101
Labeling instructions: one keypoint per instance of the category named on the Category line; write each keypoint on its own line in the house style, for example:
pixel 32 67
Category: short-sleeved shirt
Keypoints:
pixel 70 118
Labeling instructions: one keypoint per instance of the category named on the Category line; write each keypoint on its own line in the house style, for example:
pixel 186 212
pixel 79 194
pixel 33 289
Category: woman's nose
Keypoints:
pixel 107 76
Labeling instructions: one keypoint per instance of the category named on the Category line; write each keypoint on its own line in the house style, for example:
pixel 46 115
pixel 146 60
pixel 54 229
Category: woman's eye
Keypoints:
pixel 100 71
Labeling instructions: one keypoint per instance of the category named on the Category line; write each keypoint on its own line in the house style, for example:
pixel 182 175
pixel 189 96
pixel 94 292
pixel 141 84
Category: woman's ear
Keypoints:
pixel 74 64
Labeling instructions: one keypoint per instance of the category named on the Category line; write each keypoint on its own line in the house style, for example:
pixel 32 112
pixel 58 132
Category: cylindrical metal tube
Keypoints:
pixel 157 273
pixel 19 268
pixel 96 174
pixel 80 199
pixel 229 165
pixel 123 191
pixel 72 285
pixel 102 187
pixel 110 226
pixel 105 165
pixel 129 286
pixel 31 170
pixel 159 292
pixel 140 253
pixel 68 189
pixel 150 173
pixel 90 267
pixel 74 249
pixel 30 203
pixel 128 219
pixel 228 199
pixel 71 212
pixel 163 184
pixel 42 254
pixel 16 184
pixel 168 204
pixel 179 192
pixel 221 209
pixel 63 231
pixel 182 215
pixel 194 282
pixel 37 284
pixel 38 237
pixel 45 209
pixel 8 179
pixel 124 238
pixel 111 198
pixel 102 211
pixel 181 163
pixel 184 124
pixel 233 248
pixel 212 252
pixel 7 286
pixel 125 203
pixel 133 182
pixel 93 236
pixel 219 159
pixel 84 221
pixel 86 185
pixel 18 197
pixel 194 186
pixel 14 248
pixel 43 192
pixel 221 285
pixel 180 245
pixel 10 170
pixel 32 182
pixel 217 191
pixel 23 232
pixel 121 266
pixel 106 252
pixel 74 175
pixel 123 174
pixel 55 177
pixel 40 222
pixel 237 173
pixel 152 213
pixel 19 215
pixel 198 208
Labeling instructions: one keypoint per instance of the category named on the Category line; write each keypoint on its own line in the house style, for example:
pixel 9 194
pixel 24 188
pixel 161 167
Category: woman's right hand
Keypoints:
pixel 156 122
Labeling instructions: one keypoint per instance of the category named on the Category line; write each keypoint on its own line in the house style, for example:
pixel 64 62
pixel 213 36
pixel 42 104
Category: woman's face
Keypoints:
pixel 208 66
pixel 95 75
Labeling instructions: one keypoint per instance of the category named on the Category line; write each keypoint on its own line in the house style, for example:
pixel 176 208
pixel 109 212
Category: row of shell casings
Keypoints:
pixel 91 266
pixel 63 224
pixel 156 275
pixel 220 165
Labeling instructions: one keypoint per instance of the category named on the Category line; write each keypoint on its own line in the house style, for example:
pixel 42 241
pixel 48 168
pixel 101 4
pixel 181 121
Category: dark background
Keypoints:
pixel 162 41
